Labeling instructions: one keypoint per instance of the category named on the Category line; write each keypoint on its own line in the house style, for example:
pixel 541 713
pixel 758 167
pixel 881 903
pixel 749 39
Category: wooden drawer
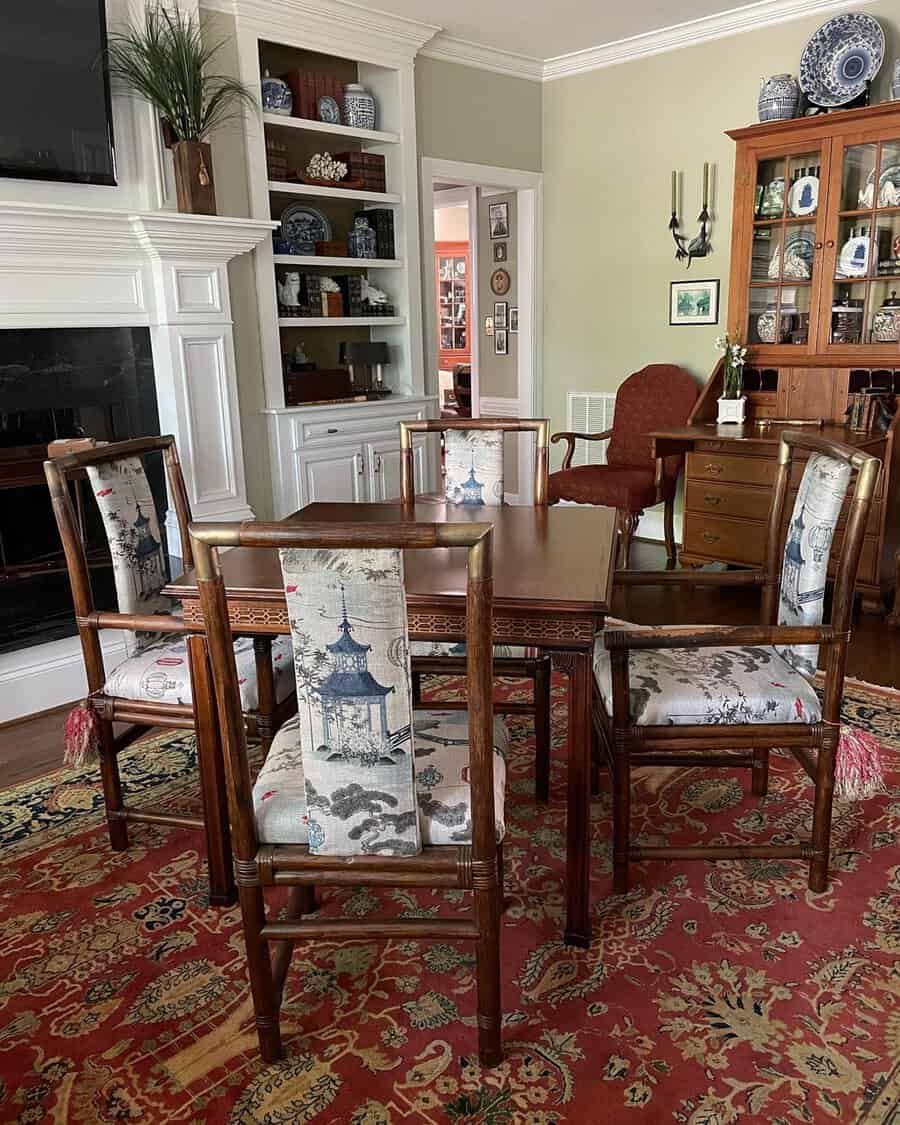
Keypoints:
pixel 702 466
pixel 728 540
pixel 737 500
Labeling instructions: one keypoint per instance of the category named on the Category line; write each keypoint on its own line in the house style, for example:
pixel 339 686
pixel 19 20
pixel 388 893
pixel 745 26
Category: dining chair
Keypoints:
pixel 360 789
pixel 724 696
pixel 466 446
pixel 155 684
pixel 657 397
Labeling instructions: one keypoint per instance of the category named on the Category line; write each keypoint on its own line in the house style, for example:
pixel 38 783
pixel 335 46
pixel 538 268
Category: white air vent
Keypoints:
pixel 589 414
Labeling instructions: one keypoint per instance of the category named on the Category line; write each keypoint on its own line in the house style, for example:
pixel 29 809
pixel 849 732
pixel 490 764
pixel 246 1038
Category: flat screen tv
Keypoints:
pixel 55 115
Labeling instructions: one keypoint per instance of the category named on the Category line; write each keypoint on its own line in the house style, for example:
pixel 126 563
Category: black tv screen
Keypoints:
pixel 55 117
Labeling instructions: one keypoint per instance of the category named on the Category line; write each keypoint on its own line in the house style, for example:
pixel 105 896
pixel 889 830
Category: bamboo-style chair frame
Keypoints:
pixel 625 745
pixel 538 668
pixel 471 867
pixel 143 715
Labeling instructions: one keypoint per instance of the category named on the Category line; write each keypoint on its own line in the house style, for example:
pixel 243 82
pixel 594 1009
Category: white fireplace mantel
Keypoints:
pixel 78 267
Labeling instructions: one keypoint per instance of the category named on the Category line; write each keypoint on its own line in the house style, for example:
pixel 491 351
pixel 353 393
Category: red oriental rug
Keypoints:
pixel 711 994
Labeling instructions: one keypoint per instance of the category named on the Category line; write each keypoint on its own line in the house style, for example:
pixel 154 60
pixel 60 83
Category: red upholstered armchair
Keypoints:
pixel 657 397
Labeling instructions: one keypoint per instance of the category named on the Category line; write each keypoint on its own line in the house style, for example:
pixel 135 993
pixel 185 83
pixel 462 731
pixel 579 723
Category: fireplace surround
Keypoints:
pixel 80 267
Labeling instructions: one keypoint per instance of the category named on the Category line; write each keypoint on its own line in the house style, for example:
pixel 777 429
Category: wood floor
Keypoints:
pixel 35 746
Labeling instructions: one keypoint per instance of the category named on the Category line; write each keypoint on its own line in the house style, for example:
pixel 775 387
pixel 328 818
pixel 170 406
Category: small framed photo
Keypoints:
pixel 514 319
pixel 489 326
pixel 501 341
pixel 500 252
pixel 694 302
pixel 498 214
pixel 501 314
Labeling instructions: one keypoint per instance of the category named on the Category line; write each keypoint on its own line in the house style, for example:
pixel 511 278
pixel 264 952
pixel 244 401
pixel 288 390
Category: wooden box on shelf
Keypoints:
pixel 307 86
pixel 333 249
pixel 317 386
pixel 332 304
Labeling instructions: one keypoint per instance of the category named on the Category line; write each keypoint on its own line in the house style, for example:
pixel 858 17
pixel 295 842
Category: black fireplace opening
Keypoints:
pixel 63 383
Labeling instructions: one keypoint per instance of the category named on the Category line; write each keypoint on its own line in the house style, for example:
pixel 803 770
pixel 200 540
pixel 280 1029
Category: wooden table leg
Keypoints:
pixel 210 760
pixel 577 666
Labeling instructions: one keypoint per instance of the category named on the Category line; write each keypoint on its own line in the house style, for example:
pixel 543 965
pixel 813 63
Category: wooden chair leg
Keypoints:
pixel 669 531
pixel 112 787
pixel 628 521
pixel 621 814
pixel 262 980
pixel 821 829
pixel 760 775
pixel 487 914
pixel 596 764
pixel 542 741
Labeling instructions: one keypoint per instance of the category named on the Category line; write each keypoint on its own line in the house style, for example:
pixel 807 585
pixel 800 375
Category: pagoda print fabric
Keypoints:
pixel 135 542
pixel 347 611
pixel 473 467
pixel 806 553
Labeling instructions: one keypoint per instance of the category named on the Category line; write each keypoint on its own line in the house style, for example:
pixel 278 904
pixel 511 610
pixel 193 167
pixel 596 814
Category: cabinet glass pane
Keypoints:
pixel 847 313
pixel 779 315
pixel 766 246
pixel 770 189
pixel 854 248
pixel 445 268
pixel 763 302
pixel 883 313
pixel 460 267
pixel 792 250
pixel 858 175
pixel 794 314
pixel 887 246
pixel 803 184
pixel 460 339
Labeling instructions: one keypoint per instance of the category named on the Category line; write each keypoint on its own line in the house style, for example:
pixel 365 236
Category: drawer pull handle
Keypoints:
pixel 708 537
pixel 714 500
pixel 332 430
pixel 714 467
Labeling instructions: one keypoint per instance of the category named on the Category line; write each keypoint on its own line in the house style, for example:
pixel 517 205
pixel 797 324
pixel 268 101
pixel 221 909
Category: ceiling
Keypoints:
pixel 541 30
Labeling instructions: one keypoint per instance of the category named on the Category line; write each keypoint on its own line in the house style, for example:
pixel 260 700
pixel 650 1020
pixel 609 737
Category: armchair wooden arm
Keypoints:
pixel 136 622
pixel 716 636
pixel 570 437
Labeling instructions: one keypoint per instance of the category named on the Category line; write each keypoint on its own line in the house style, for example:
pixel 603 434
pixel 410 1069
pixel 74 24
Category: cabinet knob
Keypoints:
pixel 714 467
pixel 708 537
pixel 377 466
pixel 332 430
pixel 713 500
pixel 359 464
pixel 818 246
pixel 830 243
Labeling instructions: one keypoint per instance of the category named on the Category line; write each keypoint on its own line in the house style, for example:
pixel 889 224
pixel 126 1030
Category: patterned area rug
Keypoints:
pixel 712 993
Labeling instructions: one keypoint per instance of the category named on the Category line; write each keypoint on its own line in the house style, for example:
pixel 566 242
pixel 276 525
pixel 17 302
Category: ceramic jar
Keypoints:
pixel 767 326
pixel 276 96
pixel 362 240
pixel 886 322
pixel 846 320
pixel 359 107
pixel 895 81
pixel 289 290
pixel 779 98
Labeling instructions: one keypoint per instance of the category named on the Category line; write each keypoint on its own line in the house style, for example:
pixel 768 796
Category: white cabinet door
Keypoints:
pixel 331 474
pixel 383 465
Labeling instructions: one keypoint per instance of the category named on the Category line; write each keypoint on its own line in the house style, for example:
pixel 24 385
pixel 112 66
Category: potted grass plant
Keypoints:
pixel 165 61
pixel 732 401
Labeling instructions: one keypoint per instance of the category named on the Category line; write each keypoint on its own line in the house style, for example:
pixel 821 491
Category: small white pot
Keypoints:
pixel 732 409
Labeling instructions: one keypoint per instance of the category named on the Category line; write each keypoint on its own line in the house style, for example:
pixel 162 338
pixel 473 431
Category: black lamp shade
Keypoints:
pixel 369 353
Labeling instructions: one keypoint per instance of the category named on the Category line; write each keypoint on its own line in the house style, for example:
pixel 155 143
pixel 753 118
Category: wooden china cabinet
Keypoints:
pixel 815 267
pixel 453 287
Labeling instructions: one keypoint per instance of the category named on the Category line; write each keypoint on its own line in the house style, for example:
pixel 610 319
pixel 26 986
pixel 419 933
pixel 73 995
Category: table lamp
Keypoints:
pixel 370 354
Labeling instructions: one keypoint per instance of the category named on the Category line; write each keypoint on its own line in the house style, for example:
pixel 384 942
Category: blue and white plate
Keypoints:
pixel 328 109
pixel 302 227
pixel 841 57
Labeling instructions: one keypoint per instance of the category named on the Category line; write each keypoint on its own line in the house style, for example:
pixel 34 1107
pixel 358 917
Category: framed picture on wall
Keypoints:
pixel 694 302
pixel 501 341
pixel 498 214
pixel 501 314
pixel 489 326
pixel 500 252
pixel 514 318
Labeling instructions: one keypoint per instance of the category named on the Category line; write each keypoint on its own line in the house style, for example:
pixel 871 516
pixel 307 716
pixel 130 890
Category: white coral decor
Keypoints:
pixel 322 166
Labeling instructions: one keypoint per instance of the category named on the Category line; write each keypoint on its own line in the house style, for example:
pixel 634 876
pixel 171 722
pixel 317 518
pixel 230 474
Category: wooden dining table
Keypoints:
pixel 553 575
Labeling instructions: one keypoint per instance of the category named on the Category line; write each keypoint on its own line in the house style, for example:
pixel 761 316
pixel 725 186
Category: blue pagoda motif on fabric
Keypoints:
pixel 147 556
pixel 793 564
pixel 472 490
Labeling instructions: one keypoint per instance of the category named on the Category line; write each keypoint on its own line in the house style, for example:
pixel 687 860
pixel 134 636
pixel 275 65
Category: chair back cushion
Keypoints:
pixel 132 529
pixel 657 397
pixel 473 467
pixel 347 611
pixel 807 549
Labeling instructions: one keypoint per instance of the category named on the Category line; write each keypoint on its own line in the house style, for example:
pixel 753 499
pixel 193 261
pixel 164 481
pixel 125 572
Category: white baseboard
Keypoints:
pixel 48 675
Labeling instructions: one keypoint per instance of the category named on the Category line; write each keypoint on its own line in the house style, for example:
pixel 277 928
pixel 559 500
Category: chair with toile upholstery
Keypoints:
pixel 154 684
pixel 657 397
pixel 360 788
pixel 472 476
pixel 723 697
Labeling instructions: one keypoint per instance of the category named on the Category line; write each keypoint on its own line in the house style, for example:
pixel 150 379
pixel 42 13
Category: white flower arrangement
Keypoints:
pixel 735 356
pixel 323 166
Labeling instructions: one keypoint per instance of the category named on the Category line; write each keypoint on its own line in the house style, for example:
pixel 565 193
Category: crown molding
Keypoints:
pixel 448 48
pixel 752 17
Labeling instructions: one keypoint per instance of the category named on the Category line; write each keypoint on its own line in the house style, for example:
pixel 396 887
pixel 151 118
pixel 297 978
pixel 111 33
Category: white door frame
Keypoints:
pixel 530 256
pixel 454 197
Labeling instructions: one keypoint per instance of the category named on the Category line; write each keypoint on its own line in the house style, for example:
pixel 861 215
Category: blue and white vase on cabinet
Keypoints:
pixel 276 96
pixel 895 81
pixel 359 107
pixel 779 98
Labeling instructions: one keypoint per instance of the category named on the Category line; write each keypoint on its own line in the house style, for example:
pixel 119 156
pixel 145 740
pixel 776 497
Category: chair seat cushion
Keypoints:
pixel 722 686
pixel 629 489
pixel 441 749
pixel 449 648
pixel 161 673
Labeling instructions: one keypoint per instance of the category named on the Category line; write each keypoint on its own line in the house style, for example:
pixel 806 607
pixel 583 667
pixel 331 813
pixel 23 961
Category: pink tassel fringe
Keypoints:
pixel 82 736
pixel 859 771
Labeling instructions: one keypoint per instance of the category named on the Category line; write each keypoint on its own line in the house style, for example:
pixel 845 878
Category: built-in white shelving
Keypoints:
pixel 340 321
pixel 325 129
pixel 319 191
pixel 342 263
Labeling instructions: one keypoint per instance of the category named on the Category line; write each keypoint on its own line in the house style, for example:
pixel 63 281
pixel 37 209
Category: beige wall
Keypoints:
pixel 611 140
pixel 476 116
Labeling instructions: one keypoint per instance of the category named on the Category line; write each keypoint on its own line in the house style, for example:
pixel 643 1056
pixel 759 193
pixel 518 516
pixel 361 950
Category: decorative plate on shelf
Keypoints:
pixel 841 57
pixel 303 226
pixel 803 198
pixel 328 110
pixel 853 259
pixel 888 188
pixel 500 282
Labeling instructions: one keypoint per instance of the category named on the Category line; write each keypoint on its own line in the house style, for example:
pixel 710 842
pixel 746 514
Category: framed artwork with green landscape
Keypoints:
pixel 694 302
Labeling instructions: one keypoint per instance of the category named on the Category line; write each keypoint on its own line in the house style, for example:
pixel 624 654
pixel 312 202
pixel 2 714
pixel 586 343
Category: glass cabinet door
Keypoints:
pixel 862 294
pixel 788 213
pixel 453 305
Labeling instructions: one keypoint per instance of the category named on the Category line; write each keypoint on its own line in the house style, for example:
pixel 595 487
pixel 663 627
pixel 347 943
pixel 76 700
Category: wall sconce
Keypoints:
pixel 700 246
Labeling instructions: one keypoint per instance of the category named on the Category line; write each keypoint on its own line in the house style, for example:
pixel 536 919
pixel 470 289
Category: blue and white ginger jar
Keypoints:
pixel 779 98
pixel 359 107
pixel 276 96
